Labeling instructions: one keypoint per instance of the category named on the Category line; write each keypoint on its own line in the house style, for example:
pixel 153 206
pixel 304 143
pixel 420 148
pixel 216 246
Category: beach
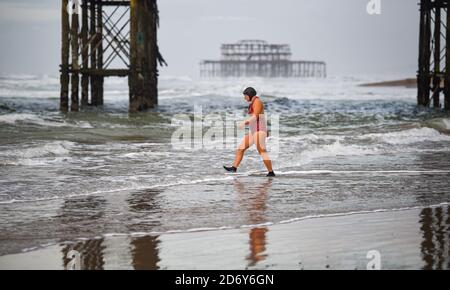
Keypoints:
pixel 361 171
pixel 408 83
pixel 404 239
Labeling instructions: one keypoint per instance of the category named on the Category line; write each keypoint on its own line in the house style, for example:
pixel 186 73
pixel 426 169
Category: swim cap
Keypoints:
pixel 251 92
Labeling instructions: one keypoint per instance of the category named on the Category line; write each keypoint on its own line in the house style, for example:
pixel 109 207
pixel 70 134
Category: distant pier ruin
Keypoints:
pixel 98 34
pixel 259 58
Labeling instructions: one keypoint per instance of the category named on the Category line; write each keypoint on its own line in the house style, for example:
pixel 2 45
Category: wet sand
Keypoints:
pixel 417 238
pixel 407 83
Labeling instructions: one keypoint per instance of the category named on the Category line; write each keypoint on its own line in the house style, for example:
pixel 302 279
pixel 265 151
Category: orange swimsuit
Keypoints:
pixel 260 124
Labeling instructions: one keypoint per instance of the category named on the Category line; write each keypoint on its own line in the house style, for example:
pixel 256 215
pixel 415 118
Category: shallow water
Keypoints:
pixel 342 149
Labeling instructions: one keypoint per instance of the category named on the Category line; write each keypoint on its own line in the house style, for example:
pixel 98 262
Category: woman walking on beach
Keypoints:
pixel 258 132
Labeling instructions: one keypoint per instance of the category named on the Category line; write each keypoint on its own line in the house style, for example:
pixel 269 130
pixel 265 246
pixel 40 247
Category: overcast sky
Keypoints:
pixel 341 33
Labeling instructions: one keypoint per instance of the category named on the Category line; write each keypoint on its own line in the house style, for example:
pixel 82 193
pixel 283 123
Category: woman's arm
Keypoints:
pixel 257 110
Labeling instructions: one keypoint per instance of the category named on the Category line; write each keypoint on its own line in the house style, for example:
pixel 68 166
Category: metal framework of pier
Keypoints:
pixel 101 39
pixel 259 58
pixel 433 76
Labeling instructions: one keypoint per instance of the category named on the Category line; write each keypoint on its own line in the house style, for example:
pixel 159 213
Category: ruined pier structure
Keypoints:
pixel 104 39
pixel 259 58
pixel 433 76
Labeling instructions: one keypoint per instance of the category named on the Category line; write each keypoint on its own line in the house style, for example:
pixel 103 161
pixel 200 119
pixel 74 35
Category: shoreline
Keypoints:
pixel 413 238
pixel 407 83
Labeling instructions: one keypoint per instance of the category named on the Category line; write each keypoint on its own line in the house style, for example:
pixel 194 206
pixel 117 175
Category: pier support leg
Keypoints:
pixel 150 50
pixel 84 55
pixel 143 75
pixel 83 46
pixel 437 58
pixel 93 51
pixel 447 63
pixel 423 76
pixel 136 76
pixel 75 81
pixel 64 75
pixel 100 79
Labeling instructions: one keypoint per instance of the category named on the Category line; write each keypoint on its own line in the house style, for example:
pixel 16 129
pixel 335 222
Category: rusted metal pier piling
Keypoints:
pixel 259 58
pixel 105 39
pixel 433 76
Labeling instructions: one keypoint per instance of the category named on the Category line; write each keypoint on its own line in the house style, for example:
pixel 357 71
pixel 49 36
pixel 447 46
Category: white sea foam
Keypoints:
pixel 446 123
pixel 14 118
pixel 339 145
pixel 411 136
pixel 25 93
pixel 307 148
pixel 29 118
pixel 305 89
pixel 352 172
pixel 334 149
pixel 40 154
pixel 54 148
pixel 127 188
pixel 146 154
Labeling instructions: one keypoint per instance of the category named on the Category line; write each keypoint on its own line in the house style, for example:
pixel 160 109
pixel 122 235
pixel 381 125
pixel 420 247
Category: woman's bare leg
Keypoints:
pixel 260 141
pixel 245 144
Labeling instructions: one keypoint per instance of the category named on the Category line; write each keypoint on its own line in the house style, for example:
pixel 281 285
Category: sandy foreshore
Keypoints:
pixel 417 238
pixel 408 83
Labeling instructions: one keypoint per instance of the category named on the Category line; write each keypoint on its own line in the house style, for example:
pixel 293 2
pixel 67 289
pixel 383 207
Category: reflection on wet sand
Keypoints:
pixel 77 212
pixel 90 255
pixel 141 252
pixel 144 252
pixel 253 200
pixel 73 214
pixel 143 201
pixel 435 246
pixel 407 239
pixel 144 249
